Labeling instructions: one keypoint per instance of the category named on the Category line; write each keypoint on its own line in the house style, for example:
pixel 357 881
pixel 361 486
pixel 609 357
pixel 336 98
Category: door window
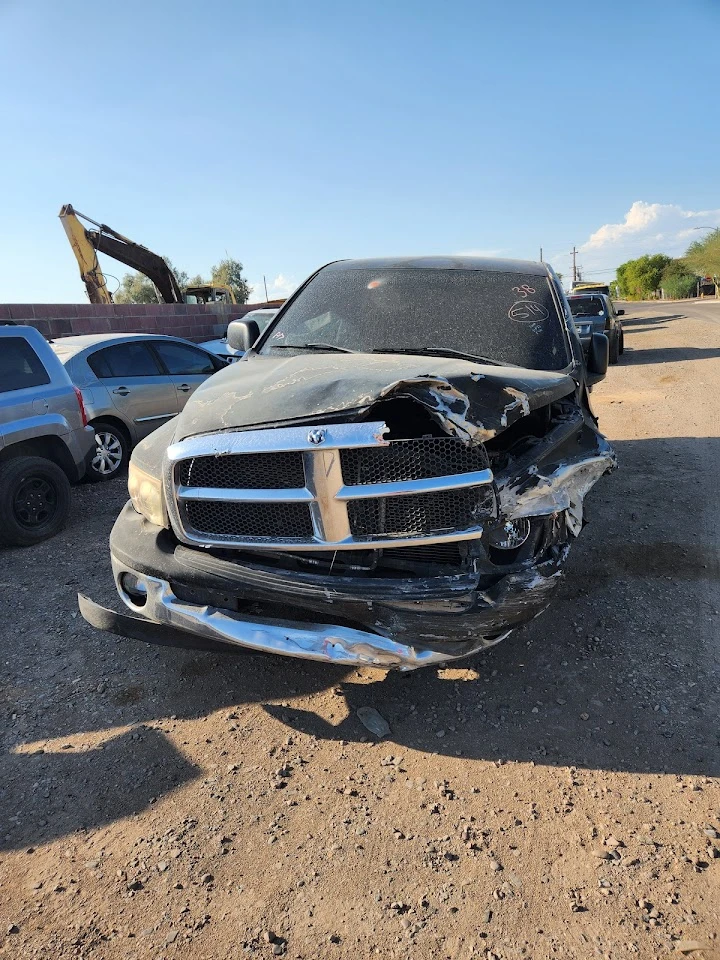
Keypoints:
pixel 124 360
pixel 20 366
pixel 182 360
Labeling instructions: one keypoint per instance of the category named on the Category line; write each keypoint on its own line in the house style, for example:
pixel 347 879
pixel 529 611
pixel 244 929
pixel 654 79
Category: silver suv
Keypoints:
pixel 45 443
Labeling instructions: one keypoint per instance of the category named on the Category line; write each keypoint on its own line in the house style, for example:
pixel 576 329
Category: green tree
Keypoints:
pixel 137 288
pixel 229 273
pixel 678 281
pixel 639 279
pixel 704 256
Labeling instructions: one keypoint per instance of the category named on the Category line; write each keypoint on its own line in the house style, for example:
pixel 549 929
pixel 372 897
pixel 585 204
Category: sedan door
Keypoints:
pixel 138 387
pixel 187 365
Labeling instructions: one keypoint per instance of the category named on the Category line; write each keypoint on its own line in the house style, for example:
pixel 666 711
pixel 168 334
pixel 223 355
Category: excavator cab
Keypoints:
pixel 209 293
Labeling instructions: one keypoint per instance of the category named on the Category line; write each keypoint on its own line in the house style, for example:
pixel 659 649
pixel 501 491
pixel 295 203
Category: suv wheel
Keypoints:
pixel 34 500
pixel 615 347
pixel 111 452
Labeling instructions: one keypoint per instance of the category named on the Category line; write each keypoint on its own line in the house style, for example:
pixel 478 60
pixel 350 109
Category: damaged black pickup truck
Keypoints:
pixel 391 476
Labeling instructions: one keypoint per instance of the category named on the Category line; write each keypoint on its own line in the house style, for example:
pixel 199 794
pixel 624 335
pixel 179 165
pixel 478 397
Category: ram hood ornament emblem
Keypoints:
pixel 316 436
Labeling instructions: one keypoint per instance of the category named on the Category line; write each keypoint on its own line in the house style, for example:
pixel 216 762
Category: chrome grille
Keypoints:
pixel 335 487
pixel 233 521
pixel 411 460
pixel 423 514
pixel 253 472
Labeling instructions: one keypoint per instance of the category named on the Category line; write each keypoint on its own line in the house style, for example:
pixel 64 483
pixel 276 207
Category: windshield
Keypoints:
pixel 587 306
pixel 508 317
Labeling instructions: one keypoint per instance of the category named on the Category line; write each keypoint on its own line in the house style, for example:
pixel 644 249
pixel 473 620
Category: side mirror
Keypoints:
pixel 598 358
pixel 620 313
pixel 242 334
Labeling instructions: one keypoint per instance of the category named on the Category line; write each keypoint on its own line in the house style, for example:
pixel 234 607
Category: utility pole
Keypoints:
pixel 265 283
pixel 541 259
pixel 574 253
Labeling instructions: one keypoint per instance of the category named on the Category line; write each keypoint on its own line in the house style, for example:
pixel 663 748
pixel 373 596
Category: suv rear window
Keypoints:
pixel 20 366
pixel 587 306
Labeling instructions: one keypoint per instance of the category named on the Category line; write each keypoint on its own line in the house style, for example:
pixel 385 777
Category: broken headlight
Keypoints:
pixel 509 535
pixel 147 496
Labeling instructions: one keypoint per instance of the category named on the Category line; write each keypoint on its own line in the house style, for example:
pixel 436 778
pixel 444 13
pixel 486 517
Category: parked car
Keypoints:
pixel 222 348
pixel 392 475
pixel 596 313
pixel 45 443
pixel 131 383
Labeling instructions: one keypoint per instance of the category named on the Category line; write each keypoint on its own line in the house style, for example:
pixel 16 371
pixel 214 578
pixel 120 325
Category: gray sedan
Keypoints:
pixel 131 384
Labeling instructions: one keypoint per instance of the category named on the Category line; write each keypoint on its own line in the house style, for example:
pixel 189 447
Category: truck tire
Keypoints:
pixel 34 500
pixel 111 455
pixel 615 347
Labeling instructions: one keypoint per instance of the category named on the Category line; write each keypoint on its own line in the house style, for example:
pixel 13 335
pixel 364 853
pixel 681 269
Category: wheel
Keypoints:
pixel 111 452
pixel 622 343
pixel 615 347
pixel 34 500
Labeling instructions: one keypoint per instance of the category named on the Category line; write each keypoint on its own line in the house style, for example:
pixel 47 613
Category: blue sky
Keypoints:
pixel 289 134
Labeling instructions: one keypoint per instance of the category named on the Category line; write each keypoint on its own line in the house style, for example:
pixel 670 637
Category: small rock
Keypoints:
pixel 584 716
pixel 13 928
pixel 495 866
pixel 207 878
pixel 373 721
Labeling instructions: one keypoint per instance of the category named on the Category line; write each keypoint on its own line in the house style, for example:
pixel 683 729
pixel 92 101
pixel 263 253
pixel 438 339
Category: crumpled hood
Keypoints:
pixel 476 400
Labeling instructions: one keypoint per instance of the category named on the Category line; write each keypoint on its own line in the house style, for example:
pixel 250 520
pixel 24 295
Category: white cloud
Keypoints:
pixel 277 289
pixel 646 228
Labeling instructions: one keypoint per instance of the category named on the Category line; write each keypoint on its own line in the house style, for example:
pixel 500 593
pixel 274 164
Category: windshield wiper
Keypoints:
pixel 440 352
pixel 311 346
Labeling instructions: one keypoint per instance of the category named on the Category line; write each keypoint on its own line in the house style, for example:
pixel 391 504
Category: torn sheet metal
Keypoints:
pixel 475 396
pixel 562 489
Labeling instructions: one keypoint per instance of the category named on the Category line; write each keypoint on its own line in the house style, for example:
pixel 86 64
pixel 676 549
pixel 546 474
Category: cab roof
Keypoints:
pixel 457 262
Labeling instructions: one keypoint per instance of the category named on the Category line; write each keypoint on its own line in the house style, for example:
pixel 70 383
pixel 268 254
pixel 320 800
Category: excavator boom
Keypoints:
pixel 86 256
pixel 87 243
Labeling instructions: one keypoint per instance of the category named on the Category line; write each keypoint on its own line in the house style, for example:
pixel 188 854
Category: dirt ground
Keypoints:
pixel 556 797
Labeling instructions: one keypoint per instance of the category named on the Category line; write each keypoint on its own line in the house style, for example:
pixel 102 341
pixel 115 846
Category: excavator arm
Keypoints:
pixel 86 256
pixel 87 243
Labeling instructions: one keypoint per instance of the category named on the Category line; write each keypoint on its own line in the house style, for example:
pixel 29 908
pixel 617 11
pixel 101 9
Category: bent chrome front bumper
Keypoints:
pixel 163 616
pixel 179 596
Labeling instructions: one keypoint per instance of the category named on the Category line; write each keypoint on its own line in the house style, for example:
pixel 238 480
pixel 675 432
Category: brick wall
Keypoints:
pixel 195 321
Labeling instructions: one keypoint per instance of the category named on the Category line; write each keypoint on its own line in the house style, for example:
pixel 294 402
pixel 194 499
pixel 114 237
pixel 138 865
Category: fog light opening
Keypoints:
pixel 134 589
pixel 510 535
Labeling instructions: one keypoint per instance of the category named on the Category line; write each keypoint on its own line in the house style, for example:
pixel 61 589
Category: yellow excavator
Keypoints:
pixel 86 244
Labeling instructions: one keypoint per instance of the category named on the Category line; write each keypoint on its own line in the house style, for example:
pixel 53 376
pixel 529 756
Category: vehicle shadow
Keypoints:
pixel 669 354
pixel 620 673
pixel 652 320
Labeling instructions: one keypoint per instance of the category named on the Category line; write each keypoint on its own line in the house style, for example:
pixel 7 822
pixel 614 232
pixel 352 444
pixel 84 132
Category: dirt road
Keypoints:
pixel 556 797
